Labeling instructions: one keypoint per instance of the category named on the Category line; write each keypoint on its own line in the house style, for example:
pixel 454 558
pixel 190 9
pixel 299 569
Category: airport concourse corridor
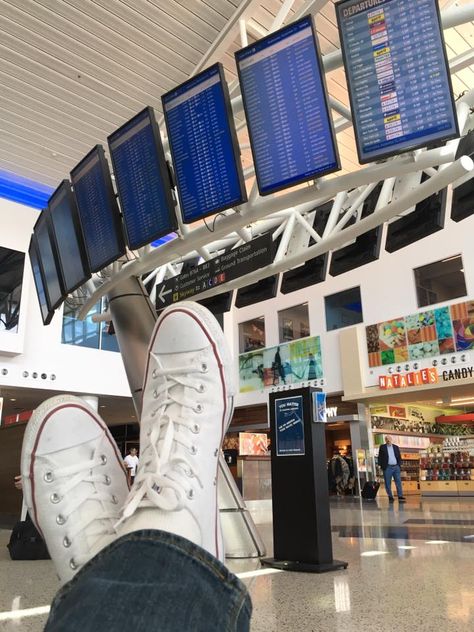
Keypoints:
pixel 410 568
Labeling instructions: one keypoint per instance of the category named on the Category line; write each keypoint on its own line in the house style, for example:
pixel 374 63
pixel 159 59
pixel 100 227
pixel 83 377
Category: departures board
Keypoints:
pixel 398 76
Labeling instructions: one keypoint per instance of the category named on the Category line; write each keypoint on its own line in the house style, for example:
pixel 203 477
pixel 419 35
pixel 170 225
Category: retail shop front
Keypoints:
pixel 426 404
pixel 247 447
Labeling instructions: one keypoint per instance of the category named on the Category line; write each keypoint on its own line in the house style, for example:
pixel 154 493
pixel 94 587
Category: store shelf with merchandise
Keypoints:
pixel 418 430
pixel 448 469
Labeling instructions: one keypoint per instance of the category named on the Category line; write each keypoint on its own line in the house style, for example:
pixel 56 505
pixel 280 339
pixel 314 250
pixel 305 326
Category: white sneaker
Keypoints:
pixel 74 482
pixel 187 407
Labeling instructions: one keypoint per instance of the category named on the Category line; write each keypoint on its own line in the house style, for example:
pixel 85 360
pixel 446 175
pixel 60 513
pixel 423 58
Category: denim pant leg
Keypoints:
pixel 152 580
pixel 387 477
pixel 398 480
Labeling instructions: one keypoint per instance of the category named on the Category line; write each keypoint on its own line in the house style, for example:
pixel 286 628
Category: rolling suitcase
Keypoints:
pixel 370 489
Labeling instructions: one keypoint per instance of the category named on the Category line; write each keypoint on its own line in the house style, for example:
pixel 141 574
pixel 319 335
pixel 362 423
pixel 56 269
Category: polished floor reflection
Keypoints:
pixel 411 567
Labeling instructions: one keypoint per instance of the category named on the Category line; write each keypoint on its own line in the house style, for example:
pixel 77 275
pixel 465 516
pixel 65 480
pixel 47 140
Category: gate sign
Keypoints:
pixel 231 265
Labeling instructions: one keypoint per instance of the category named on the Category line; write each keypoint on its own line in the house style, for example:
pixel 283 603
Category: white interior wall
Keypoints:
pixel 387 291
pixel 39 349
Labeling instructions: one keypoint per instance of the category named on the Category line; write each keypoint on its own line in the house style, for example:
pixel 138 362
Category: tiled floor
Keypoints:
pixel 410 568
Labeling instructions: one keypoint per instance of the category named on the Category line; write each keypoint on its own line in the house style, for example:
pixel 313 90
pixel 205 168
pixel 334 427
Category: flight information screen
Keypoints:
pixel 398 76
pixel 142 180
pixel 46 313
pixel 68 237
pixel 98 210
pixel 286 106
pixel 48 258
pixel 203 145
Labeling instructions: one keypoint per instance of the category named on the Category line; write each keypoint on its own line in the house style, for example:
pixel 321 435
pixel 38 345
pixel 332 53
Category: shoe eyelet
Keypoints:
pixel 216 451
pixel 107 480
pixel 189 473
pixel 61 519
pixel 155 394
pixel 103 459
pixel 196 428
pixel 66 542
pixel 55 498
pixel 153 413
pixel 198 408
pixel 154 374
pixel 148 432
pixel 201 388
pixel 73 564
pixel 190 494
pixel 48 477
pixel 114 500
pixel 193 450
pixel 204 368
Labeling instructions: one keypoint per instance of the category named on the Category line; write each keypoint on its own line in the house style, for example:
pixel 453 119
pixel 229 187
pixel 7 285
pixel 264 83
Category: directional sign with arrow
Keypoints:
pixel 231 265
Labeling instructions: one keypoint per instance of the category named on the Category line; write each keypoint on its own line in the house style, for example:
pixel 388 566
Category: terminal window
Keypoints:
pixel 252 335
pixel 343 309
pixel 86 333
pixel 293 323
pixel 12 263
pixel 440 281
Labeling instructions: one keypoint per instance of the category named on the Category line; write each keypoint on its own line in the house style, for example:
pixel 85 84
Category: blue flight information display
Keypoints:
pixel 49 266
pixel 203 145
pixel 99 213
pixel 46 313
pixel 286 106
pixel 398 76
pixel 68 237
pixel 142 180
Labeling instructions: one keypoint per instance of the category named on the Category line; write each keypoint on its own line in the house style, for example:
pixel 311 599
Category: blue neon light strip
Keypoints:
pixel 163 240
pixel 24 191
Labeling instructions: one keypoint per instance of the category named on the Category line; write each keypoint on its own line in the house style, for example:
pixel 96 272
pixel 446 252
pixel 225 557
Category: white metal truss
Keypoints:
pixel 290 215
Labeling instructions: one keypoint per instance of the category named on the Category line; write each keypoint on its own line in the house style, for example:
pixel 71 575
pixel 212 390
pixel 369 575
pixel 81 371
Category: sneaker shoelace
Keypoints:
pixel 165 466
pixel 97 527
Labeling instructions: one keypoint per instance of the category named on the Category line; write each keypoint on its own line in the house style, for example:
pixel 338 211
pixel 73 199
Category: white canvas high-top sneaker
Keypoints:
pixel 74 481
pixel 187 407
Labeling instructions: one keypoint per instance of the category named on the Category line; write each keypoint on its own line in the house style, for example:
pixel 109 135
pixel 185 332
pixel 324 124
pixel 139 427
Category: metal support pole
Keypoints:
pixel 134 318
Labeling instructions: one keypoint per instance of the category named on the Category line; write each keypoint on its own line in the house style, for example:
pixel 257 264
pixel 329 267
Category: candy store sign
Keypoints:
pixel 458 374
pixel 414 378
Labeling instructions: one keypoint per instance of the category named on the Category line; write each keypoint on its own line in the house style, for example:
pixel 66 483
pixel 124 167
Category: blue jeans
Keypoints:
pixel 152 580
pixel 388 473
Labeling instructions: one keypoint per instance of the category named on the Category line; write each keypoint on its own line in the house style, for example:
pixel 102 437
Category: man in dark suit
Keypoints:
pixel 390 461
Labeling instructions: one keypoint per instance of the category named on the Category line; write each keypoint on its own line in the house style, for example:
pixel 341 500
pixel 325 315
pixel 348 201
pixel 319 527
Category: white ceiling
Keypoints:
pixel 71 71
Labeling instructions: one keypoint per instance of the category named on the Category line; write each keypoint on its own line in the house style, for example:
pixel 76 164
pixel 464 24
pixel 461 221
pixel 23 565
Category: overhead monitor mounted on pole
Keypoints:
pixel 67 237
pixel 99 213
pixel 48 258
pixel 286 106
pixel 46 313
pixel 203 144
pixel 398 75
pixel 142 179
